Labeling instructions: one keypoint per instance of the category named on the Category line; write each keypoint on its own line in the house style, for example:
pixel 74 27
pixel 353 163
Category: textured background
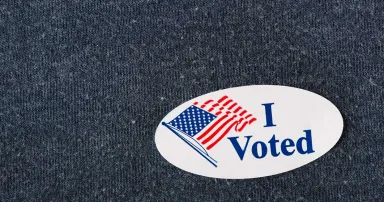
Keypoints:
pixel 83 85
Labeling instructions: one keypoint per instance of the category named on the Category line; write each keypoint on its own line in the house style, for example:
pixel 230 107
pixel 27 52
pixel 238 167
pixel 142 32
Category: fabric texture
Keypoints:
pixel 84 85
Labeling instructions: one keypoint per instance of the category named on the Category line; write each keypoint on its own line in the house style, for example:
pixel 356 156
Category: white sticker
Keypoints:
pixel 249 131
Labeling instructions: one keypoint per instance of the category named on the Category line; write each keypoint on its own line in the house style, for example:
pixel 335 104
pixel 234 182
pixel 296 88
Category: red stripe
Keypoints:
pixel 205 103
pixel 229 101
pixel 218 130
pixel 210 128
pixel 252 120
pixel 242 127
pixel 241 119
pixel 238 108
pixel 221 137
pixel 195 103
pixel 222 123
pixel 223 98
pixel 232 106
pixel 242 113
pixel 213 107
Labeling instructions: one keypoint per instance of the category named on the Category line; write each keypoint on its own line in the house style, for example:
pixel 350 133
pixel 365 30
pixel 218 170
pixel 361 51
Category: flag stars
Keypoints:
pixel 192 120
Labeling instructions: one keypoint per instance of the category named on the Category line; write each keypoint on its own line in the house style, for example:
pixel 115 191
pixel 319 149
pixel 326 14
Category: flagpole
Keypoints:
pixel 205 155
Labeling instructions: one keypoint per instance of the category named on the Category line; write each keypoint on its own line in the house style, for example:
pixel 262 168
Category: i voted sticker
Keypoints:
pixel 249 131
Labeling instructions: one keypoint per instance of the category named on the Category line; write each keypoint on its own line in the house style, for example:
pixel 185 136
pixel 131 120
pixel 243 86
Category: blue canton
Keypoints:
pixel 192 120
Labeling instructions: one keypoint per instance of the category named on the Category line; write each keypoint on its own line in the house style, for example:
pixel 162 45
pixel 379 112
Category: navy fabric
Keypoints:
pixel 84 84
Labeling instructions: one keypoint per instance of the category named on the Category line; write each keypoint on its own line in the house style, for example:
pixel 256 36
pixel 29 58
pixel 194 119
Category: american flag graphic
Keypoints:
pixel 203 125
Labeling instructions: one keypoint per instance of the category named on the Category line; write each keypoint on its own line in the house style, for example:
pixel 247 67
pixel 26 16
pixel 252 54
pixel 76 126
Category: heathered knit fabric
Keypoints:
pixel 84 84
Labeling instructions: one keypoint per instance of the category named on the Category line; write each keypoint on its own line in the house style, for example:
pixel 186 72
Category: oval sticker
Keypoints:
pixel 249 131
